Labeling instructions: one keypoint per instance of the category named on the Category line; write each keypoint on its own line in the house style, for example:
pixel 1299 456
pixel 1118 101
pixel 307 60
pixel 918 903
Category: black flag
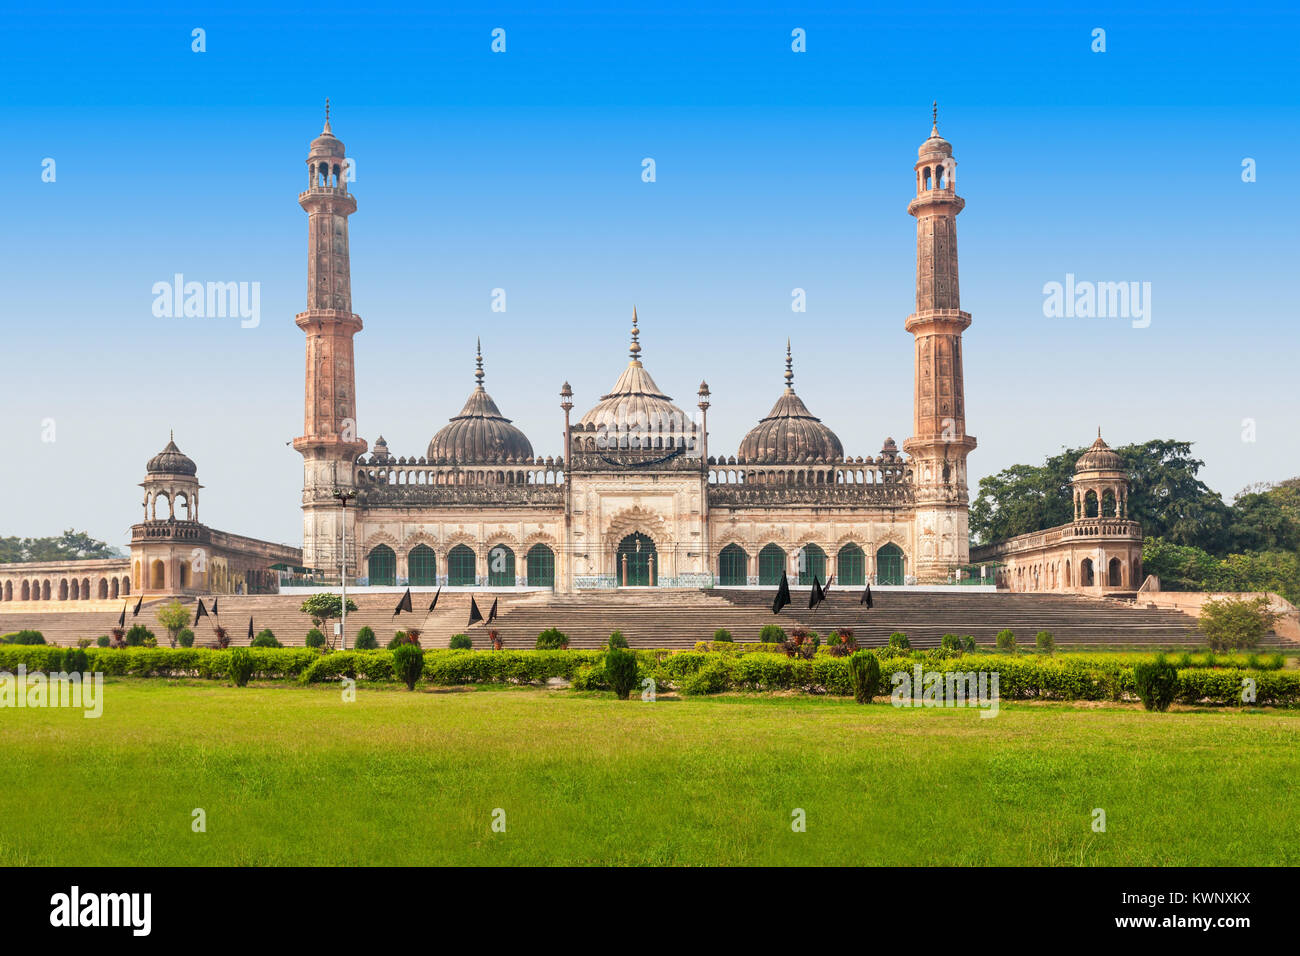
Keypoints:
pixel 138 604
pixel 121 621
pixel 474 613
pixel 250 626
pixel 214 607
pixel 492 613
pixel 827 589
pixel 866 596
pixel 434 602
pixel 817 595
pixel 782 594
pixel 201 612
pixel 404 604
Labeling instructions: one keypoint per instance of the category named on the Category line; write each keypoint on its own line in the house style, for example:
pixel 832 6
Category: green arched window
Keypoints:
pixel 421 566
pixel 541 567
pixel 771 564
pixel 733 566
pixel 501 566
pixel 889 565
pixel 637 564
pixel 381 565
pixel 812 562
pixel 851 566
pixel 460 567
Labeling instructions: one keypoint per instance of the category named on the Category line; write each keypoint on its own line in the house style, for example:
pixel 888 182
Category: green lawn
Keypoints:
pixel 291 775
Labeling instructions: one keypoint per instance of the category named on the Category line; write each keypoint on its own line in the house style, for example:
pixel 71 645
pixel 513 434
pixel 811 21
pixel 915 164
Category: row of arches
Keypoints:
pixel 461 566
pixel 734 565
pixel 1110 503
pixel 1063 576
pixel 65 589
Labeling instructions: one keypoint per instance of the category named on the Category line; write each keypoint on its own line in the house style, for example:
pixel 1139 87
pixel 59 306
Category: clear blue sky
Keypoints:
pixel 522 171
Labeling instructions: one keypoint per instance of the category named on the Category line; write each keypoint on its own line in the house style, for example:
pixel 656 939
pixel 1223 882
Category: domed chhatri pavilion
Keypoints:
pixel 637 497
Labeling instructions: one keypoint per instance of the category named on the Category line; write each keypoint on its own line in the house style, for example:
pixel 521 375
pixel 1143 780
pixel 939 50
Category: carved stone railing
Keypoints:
pixel 736 482
pixel 416 481
pixel 1087 529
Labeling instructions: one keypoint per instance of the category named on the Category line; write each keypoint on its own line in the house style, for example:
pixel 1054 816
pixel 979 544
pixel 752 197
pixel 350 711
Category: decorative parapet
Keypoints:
pixel 886 481
pixel 1085 529
pixel 383 480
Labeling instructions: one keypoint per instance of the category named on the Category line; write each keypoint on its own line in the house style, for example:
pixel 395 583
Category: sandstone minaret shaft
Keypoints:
pixel 329 443
pixel 939 443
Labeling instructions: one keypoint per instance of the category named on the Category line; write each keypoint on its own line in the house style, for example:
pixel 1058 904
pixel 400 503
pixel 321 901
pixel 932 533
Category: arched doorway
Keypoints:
pixel 733 566
pixel 1114 573
pixel 637 562
pixel 1085 573
pixel 157 576
pixel 541 567
pixel 812 563
pixel 501 567
pixel 851 566
pixel 771 564
pixel 381 565
pixel 421 566
pixel 460 567
pixel 889 565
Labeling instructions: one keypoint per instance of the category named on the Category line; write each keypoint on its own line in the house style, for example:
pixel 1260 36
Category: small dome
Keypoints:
pixel 789 433
pixel 171 461
pixel 380 451
pixel 1100 457
pixel 327 144
pixel 636 399
pixel 480 434
pixel 935 143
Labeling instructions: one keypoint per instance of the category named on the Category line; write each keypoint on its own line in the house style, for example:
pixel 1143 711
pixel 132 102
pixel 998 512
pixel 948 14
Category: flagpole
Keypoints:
pixel 344 497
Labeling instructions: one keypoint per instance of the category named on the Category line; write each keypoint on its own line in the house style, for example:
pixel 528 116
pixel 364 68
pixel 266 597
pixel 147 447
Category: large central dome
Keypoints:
pixel 790 433
pixel 480 434
pixel 636 400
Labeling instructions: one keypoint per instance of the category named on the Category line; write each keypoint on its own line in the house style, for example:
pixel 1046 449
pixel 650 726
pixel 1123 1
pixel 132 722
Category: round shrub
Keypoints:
pixel 724 635
pixel 1156 683
pixel 772 634
pixel 25 637
pixel 864 672
pixel 709 679
pixel 240 666
pixel 315 638
pixel 408 664
pixel 461 642
pixel 76 661
pixel 403 639
pixel 265 638
pixel 1006 641
pixel 899 640
pixel 102 640
pixel 616 639
pixel 185 637
pixel 968 644
pixel 1044 642
pixel 621 671
pixel 139 636
pixel 950 642
pixel 552 639
pixel 366 640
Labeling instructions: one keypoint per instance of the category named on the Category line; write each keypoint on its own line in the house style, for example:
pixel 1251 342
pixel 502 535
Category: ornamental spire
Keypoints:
pixel 934 118
pixel 478 362
pixel 327 115
pixel 789 369
pixel 634 352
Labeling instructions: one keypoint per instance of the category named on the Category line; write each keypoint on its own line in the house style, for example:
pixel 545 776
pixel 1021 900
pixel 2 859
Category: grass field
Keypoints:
pixel 291 775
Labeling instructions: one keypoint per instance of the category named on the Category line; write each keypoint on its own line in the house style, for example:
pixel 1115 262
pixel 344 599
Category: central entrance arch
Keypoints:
pixel 637 561
pixel 889 564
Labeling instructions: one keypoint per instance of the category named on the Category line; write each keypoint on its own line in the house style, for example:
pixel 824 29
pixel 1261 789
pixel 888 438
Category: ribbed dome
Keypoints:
pixel 171 461
pixel 480 434
pixel 1100 457
pixel 327 144
pixel 636 399
pixel 790 433
pixel 934 143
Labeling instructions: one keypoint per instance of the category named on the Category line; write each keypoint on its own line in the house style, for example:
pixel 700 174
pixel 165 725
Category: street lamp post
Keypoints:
pixel 344 497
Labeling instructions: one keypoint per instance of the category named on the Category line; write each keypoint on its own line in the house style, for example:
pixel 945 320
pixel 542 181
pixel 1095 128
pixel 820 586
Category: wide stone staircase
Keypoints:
pixel 679 618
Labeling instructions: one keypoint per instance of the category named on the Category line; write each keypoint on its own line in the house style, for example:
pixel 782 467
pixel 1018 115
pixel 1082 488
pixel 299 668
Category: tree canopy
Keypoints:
pixel 69 546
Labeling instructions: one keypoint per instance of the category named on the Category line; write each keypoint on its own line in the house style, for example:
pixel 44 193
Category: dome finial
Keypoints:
pixel 934 118
pixel 635 350
pixel 478 362
pixel 789 369
pixel 327 115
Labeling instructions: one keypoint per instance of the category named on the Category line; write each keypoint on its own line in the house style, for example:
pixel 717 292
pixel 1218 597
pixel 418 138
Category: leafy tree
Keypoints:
pixel 1231 625
pixel 325 607
pixel 173 616
pixel 1267 518
pixel 71 545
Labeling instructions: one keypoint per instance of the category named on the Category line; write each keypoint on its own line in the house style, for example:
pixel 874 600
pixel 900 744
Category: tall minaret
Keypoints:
pixel 939 443
pixel 329 444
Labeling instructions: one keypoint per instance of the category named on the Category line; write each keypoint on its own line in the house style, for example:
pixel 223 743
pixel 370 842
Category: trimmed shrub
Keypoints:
pixel 1156 683
pixel 265 638
pixel 864 672
pixel 967 644
pixel 83 642
pixel 138 635
pixel 185 637
pixel 616 639
pixel 76 661
pixel 240 666
pixel 1006 641
pixel 24 637
pixel 899 641
pixel 950 642
pixel 408 664
pixel 401 639
pixel 723 635
pixel 1231 624
pixel 713 678
pixel 314 638
pixel 461 642
pixel 1044 642
pixel 366 640
pixel 621 671
pixel 771 634
pixel 102 640
pixel 552 639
